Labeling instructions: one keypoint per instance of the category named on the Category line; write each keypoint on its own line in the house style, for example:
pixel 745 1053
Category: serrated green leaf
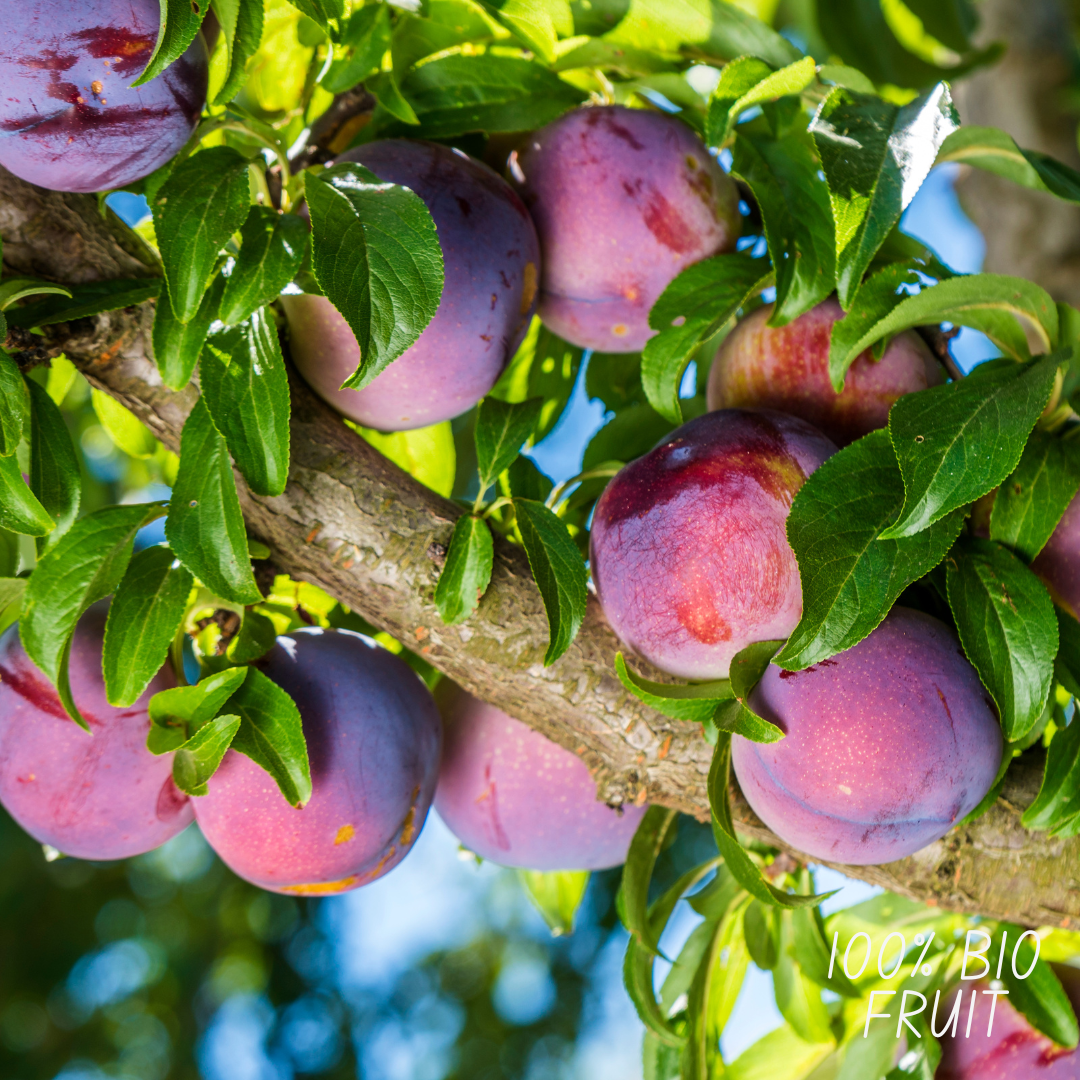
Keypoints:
pixel 271 250
pixel 272 735
pixel 20 510
pixel 875 156
pixel 143 619
pixel 1058 801
pixel 180 22
pixel 196 760
pixel 14 405
pixel 797 997
pixel 241 24
pixel 321 11
pixel 1006 623
pixel 376 256
pixel 246 388
pixel 9 554
pixel 956 442
pixel 385 87
pixel 205 527
pixel 812 953
pixel 747 82
pixel 55 477
pixel 538 23
pixel 501 429
pixel 12 591
pixel 444 25
pixel 557 895
pixel 761 927
pixel 736 716
pixel 559 572
pixel 85 300
pixel 650 838
pixel 204 201
pixel 693 307
pixel 177 345
pixel 257 637
pixel 467 572
pixel 850 577
pixel 368 37
pixel 1039 997
pixel 178 713
pixel 695 702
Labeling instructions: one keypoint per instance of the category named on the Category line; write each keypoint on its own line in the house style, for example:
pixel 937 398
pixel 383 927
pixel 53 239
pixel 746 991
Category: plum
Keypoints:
pixel 887 745
pixel 373 736
pixel 95 796
pixel 688 550
pixel 69 118
pixel 1058 564
pixel 623 199
pixel 514 797
pixel 787 368
pixel 491 258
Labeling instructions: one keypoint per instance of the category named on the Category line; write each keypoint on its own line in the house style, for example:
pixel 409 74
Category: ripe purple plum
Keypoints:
pixel 1058 564
pixel 373 736
pixel 101 795
pixel 491 258
pixel 624 200
pixel 69 118
pixel 689 551
pixel 518 799
pixel 887 745
pixel 787 368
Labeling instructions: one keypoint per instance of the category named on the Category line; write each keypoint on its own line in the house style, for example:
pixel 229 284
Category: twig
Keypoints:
pixel 938 340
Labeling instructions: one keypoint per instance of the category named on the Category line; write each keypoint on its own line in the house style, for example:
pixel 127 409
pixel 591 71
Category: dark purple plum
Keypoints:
pixel 689 551
pixel 69 118
pixel 518 799
pixel 373 736
pixel 887 745
pixel 95 796
pixel 1058 564
pixel 623 200
pixel 491 258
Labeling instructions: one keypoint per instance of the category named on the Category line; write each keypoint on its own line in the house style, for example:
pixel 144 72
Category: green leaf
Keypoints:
pixel 271 734
pixel 321 11
pixel 1058 801
pixel 783 1055
pixel 241 24
pixel 204 201
pixel 693 307
pixel 143 619
pixel 559 571
pixel 177 345
pixel 1040 996
pixel 368 35
pixel 958 441
pixel 650 838
pixel 246 388
pixel 761 927
pixel 85 566
pixel 467 572
pixel 14 405
pixel 1006 623
pixel 553 370
pixel 9 554
pixel 180 22
pixel 501 429
pixel 20 510
pixel 427 454
pixel 205 527
pixel 952 22
pixel 125 429
pixel 783 176
pixel 797 997
pixel 1029 504
pixel 196 760
pixel 385 87
pixel 12 591
pixel 257 637
pixel 875 156
pixel 812 952
pixel 747 82
pixel 376 256
pixel 271 250
pixel 527 481
pixel 557 895
pixel 178 713
pixel 55 477
pixel 850 577
pixel 638 965
pixel 538 23
pixel 87 299
pixel 695 702
pixel 747 667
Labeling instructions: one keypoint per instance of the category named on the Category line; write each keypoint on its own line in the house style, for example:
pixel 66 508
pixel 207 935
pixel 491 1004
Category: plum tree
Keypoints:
pixel 518 799
pixel 688 549
pixel 373 736
pixel 1058 564
pixel 887 745
pixel 787 368
pixel 97 795
pixel 69 120
pixel 623 199
pixel 491 259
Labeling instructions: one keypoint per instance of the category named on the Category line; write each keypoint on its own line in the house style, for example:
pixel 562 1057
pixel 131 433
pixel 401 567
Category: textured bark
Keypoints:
pixel 353 523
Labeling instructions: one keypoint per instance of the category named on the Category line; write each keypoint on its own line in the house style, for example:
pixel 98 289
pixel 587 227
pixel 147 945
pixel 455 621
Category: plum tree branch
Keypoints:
pixel 354 524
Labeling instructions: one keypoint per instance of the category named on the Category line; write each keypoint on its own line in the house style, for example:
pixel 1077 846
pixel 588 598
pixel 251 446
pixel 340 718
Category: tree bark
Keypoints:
pixel 354 524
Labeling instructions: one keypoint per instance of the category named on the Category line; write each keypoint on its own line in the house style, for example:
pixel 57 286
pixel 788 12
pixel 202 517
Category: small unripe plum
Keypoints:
pixel 689 552
pixel 97 795
pixel 516 798
pixel 787 368
pixel 887 745
pixel 1058 564
pixel 623 200
pixel 491 261
pixel 69 118
pixel 373 737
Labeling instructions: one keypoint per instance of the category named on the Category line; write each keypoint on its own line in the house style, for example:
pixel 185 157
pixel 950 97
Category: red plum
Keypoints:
pixel 101 795
pixel 623 200
pixel 887 745
pixel 787 368
pixel 518 799
pixel 373 736
pixel 491 258
pixel 69 118
pixel 689 552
